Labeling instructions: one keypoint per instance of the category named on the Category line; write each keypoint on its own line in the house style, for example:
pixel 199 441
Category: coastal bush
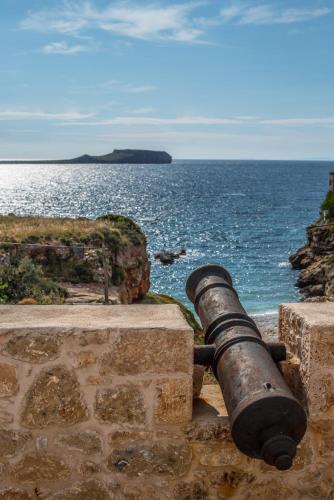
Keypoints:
pixel 126 226
pixel 328 204
pixel 23 278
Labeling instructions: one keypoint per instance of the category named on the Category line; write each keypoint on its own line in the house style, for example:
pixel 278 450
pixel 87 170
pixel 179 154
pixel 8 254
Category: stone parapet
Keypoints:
pixel 96 404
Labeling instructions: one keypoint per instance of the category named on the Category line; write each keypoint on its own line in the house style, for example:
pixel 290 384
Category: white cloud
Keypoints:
pixel 43 115
pixel 270 14
pixel 143 111
pixel 299 121
pixel 63 48
pixel 129 88
pixel 152 21
pixel 207 121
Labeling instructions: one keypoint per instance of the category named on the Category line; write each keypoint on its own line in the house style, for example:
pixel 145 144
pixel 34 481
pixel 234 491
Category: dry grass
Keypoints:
pixel 38 229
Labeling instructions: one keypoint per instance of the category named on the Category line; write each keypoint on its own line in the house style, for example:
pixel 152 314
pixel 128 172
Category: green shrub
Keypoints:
pixel 328 204
pixel 24 279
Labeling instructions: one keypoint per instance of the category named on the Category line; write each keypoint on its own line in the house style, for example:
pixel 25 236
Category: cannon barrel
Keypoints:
pixel 267 421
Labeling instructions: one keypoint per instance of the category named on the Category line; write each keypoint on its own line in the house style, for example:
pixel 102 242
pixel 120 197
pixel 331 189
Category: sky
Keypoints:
pixel 208 79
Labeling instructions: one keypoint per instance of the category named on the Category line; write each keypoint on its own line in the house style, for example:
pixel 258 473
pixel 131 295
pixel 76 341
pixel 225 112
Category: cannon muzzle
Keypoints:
pixel 267 421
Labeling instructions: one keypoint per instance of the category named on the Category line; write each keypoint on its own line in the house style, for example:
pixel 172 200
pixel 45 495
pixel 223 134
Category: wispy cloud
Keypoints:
pixel 43 115
pixel 129 88
pixel 150 21
pixel 243 13
pixel 143 111
pixel 207 121
pixel 64 49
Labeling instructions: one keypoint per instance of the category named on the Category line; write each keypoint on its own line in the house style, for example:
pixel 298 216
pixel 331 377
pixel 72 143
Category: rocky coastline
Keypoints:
pixel 315 261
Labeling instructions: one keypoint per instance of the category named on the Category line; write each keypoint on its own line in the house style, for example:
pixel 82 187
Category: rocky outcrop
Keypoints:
pixel 134 156
pixel 315 260
pixel 75 253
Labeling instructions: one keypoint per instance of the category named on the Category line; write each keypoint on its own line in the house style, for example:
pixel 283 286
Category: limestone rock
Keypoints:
pixel 146 353
pixel 195 490
pixel 174 401
pixel 87 490
pixel 37 466
pixel 8 380
pixel 54 399
pixel 36 348
pixel 12 441
pixel 162 457
pixel 120 405
pixel 14 494
pixel 88 442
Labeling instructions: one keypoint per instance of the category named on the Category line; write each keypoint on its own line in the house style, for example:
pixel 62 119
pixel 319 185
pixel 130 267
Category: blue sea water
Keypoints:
pixel 247 215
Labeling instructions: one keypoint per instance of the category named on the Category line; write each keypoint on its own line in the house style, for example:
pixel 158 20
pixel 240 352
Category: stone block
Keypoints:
pixel 33 348
pixel 218 456
pixel 229 480
pixel 14 494
pixel 39 466
pixel 91 337
pixel 12 442
pixel 8 381
pixel 120 405
pixel 83 359
pixel 88 442
pixel 173 403
pixel 141 459
pixel 126 435
pixel 308 329
pixel 192 490
pixel 324 429
pixel 149 351
pixel 87 490
pixel 54 399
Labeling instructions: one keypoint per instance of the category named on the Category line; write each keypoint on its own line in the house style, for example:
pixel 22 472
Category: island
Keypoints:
pixel 135 156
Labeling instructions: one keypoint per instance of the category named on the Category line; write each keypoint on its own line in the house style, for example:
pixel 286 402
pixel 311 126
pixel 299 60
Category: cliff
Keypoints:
pixel 135 156
pixel 315 260
pixel 43 258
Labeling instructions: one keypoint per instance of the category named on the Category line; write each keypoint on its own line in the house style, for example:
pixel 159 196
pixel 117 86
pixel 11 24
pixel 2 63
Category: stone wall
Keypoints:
pixel 96 404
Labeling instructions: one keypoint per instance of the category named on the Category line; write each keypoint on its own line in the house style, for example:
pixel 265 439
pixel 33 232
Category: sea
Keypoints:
pixel 248 216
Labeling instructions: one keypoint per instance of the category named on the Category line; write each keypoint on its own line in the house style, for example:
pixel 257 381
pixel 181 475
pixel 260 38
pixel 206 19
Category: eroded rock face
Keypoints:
pixel 162 457
pixel 88 442
pixel 33 348
pixel 87 490
pixel 12 441
pixel 316 263
pixel 120 405
pixel 38 466
pixel 53 399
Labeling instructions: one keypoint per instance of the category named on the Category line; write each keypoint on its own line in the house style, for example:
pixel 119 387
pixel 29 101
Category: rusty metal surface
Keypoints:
pixel 266 420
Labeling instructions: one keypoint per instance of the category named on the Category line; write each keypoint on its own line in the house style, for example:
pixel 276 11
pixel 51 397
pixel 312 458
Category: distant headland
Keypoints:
pixel 136 156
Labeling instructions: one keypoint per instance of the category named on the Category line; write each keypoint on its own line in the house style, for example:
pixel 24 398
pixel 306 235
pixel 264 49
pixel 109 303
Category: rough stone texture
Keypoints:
pixel 131 356
pixel 33 348
pixel 88 490
pixel 35 467
pixel 12 441
pixel 83 359
pixel 69 431
pixel 174 401
pixel 308 330
pixel 54 398
pixel 8 380
pixel 163 457
pixel 120 405
pixel 14 494
pixel 88 442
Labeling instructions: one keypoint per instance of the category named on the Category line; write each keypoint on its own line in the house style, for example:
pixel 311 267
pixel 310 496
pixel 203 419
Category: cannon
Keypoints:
pixel 266 420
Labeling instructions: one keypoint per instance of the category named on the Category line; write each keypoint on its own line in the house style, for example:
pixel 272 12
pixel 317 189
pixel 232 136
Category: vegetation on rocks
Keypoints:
pixel 23 279
pixel 38 254
pixel 328 204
